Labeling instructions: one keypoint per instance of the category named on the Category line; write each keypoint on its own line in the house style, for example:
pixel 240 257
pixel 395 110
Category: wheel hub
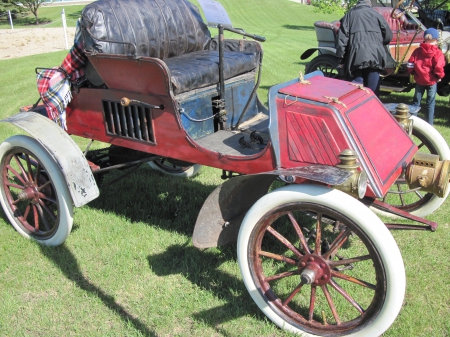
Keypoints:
pixel 314 270
pixel 29 193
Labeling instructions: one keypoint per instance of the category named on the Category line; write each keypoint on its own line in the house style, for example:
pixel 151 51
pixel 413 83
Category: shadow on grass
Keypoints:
pixel 201 268
pixel 65 261
pixel 296 27
pixel 75 15
pixel 154 198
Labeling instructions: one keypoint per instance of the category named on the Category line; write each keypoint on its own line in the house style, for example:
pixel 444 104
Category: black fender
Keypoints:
pixel 322 50
pixel 220 218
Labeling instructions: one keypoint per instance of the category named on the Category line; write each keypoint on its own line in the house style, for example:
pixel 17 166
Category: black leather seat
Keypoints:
pixel 170 30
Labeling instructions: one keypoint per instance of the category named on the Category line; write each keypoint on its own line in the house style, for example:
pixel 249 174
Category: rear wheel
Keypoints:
pixel 175 168
pixel 319 263
pixel 34 193
pixel 327 64
pixel 416 202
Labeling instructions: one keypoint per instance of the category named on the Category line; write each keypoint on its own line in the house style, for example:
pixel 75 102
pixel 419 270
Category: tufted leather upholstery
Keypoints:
pixel 171 30
pixel 401 27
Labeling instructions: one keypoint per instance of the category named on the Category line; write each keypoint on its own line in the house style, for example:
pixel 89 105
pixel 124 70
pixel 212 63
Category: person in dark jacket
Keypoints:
pixel 360 44
pixel 427 65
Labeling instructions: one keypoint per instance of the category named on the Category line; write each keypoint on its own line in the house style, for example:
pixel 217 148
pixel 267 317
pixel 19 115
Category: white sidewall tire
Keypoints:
pixel 190 172
pixel 369 223
pixel 63 195
pixel 442 149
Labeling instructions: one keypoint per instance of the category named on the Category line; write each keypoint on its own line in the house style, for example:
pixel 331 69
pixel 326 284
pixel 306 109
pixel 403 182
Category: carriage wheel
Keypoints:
pixel 327 64
pixel 429 140
pixel 34 193
pixel 318 262
pixel 173 168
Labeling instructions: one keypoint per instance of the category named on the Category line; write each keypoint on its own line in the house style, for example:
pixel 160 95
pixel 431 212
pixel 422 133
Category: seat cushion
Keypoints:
pixel 157 28
pixel 403 31
pixel 201 69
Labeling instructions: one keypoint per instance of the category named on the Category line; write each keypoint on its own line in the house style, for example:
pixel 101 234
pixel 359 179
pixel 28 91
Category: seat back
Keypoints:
pixel 157 28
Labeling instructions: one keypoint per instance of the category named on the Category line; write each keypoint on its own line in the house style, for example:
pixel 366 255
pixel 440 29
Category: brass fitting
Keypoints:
pixel 428 173
pixel 403 118
pixel 356 184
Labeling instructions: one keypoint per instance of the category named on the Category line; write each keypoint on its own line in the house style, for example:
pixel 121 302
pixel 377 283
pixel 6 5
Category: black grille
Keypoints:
pixel 133 121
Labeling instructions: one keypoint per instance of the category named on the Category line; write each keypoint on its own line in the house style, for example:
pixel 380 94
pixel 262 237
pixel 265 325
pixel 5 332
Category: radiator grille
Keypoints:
pixel 133 121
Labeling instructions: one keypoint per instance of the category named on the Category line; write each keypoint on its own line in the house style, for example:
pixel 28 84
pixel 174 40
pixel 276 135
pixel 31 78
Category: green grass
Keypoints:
pixel 49 16
pixel 129 267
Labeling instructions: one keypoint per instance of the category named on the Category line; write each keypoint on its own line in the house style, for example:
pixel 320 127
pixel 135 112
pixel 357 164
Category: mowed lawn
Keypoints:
pixel 129 267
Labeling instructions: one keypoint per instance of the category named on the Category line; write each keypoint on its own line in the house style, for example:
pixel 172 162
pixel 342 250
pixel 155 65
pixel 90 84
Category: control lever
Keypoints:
pixel 126 102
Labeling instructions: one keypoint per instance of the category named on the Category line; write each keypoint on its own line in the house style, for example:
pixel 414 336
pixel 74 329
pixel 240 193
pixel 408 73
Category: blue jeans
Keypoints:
pixel 369 77
pixel 431 99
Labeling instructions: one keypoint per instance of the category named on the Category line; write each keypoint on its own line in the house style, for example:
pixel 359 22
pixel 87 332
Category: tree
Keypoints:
pixel 8 5
pixel 32 5
pixel 333 6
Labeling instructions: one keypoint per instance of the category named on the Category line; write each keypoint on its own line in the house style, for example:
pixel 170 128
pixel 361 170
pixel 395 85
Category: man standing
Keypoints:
pixel 360 44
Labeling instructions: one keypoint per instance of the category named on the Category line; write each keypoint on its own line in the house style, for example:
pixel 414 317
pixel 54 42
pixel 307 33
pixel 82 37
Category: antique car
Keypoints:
pixel 407 31
pixel 313 254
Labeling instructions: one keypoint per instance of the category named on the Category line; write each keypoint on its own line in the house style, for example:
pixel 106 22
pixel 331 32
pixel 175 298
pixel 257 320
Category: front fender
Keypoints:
pixel 222 213
pixel 322 50
pixel 64 151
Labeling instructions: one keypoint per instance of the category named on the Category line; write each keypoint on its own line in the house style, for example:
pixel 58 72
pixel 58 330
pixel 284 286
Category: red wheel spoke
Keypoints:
pixel 15 186
pixel 352 279
pixel 299 232
pixel 278 257
pixel 15 173
pixel 337 243
pixel 312 302
pixel 421 145
pixel 27 211
pixel 318 235
pixel 24 173
pixel 43 196
pixel 281 275
pixel 36 217
pixel 284 241
pixel 30 169
pixel 348 261
pixel 401 195
pixel 43 186
pixel 346 296
pixel 38 171
pixel 48 210
pixel 419 195
pixel 292 294
pixel 45 223
pixel 331 304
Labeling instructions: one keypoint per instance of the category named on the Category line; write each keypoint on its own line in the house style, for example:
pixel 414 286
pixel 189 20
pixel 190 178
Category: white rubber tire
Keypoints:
pixel 440 146
pixel 64 200
pixel 367 221
pixel 187 173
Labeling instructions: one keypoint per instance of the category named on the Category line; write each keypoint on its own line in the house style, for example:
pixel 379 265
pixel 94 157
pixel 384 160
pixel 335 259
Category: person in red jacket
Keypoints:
pixel 427 65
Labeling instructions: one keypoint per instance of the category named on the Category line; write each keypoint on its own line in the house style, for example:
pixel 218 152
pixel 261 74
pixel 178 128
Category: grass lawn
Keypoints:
pixel 49 16
pixel 129 267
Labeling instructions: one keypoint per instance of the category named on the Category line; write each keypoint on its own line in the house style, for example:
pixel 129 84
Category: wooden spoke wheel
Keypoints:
pixel 34 194
pixel 414 201
pixel 318 262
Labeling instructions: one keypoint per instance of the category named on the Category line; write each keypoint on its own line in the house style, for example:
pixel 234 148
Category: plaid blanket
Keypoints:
pixel 54 84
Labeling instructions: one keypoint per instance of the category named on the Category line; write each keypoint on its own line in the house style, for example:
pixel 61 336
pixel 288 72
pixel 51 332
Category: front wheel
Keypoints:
pixel 327 64
pixel 317 262
pixel 175 168
pixel 416 202
pixel 34 194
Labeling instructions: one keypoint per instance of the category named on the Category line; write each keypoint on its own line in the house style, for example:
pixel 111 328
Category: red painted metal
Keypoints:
pixel 319 127
pixel 85 119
